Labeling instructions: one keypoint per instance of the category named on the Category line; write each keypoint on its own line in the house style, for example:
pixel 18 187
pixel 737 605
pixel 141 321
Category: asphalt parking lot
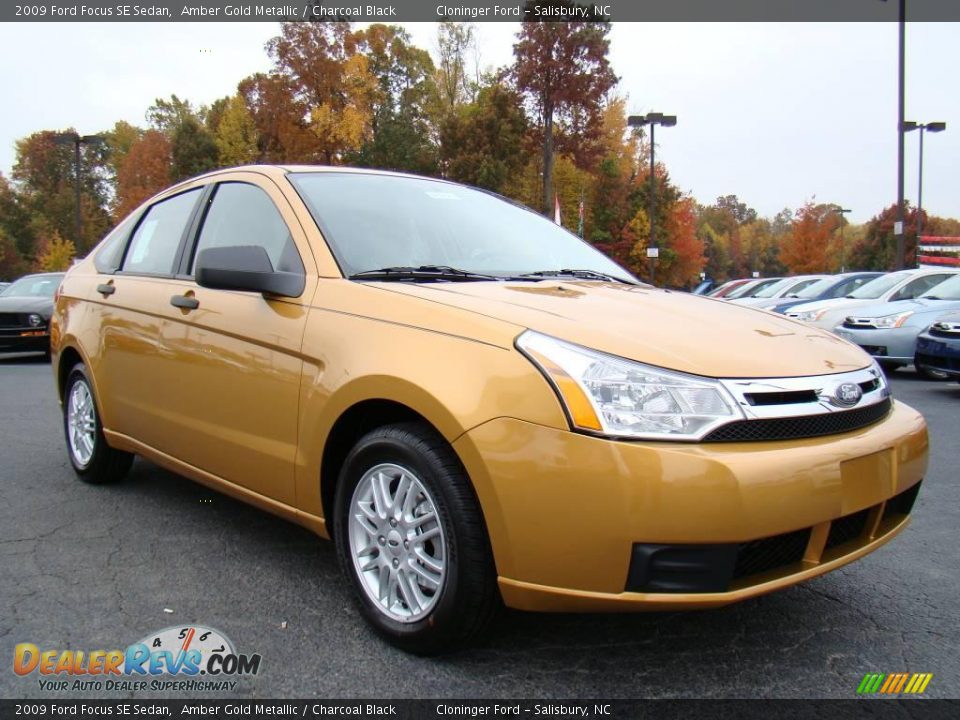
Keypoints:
pixel 90 568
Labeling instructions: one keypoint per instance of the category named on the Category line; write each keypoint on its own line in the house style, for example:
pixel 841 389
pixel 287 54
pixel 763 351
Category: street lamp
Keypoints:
pixel 922 127
pixel 841 211
pixel 75 139
pixel 652 119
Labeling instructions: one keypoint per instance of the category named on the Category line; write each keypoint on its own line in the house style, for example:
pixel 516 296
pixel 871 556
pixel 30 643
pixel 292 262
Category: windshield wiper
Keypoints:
pixel 581 274
pixel 422 272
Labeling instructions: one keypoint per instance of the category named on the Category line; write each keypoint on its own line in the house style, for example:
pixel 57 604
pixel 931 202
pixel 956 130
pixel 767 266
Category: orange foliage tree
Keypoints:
pixel 144 171
pixel 807 247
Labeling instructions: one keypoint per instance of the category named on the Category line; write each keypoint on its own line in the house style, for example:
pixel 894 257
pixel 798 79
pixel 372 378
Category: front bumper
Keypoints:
pixel 565 512
pixel 24 340
pixel 939 354
pixel 897 344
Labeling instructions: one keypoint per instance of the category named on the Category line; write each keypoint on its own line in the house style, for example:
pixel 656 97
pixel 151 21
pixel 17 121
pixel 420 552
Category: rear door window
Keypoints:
pixel 154 246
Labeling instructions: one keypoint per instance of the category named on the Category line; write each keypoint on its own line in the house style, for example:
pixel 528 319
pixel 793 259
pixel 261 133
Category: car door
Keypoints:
pixel 128 304
pixel 234 356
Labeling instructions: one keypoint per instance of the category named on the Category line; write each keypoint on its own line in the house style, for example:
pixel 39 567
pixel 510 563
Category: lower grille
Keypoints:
pixel 901 504
pixel 937 332
pixel 804 426
pixel 759 556
pixel 880 350
pixel 11 320
pixel 847 528
pixel 936 361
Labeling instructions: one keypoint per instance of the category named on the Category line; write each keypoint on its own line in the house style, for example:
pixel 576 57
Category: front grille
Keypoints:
pixel 901 504
pixel 758 556
pixel 936 361
pixel 847 528
pixel 803 426
pixel 11 320
pixel 857 325
pixel 781 398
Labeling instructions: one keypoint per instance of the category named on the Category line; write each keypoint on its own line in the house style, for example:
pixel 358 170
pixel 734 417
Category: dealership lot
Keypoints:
pixel 92 568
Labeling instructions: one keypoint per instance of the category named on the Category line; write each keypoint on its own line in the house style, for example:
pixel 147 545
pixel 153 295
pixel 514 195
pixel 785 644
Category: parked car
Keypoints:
pixel 750 288
pixel 938 347
pixel 901 285
pixel 3 286
pixel 25 310
pixel 833 286
pixel 726 288
pixel 476 405
pixel 889 331
pixel 704 287
pixel 771 294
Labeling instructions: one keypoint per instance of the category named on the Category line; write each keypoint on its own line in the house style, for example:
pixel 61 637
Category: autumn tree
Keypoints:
pixel 562 71
pixel 145 171
pixel 236 134
pixel 283 134
pixel 876 250
pixel 56 254
pixel 806 249
pixel 684 258
pixel 120 139
pixel 401 100
pixel 45 176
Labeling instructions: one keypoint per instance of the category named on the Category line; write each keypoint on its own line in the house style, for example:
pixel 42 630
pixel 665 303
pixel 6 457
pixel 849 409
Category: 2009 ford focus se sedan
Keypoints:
pixel 475 405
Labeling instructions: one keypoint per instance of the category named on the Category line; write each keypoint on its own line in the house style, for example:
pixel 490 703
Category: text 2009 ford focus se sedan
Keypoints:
pixel 474 404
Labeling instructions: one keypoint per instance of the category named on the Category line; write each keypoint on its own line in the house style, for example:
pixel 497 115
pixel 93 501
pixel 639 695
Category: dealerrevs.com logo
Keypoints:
pixel 176 658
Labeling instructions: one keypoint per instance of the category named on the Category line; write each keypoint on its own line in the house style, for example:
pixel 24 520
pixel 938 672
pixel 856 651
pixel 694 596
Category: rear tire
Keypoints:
pixel 93 460
pixel 412 542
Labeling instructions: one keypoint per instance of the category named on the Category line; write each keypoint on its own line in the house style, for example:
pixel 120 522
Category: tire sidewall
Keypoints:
pixel 372 451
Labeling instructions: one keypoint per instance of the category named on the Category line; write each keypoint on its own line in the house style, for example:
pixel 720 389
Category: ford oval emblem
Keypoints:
pixel 847 394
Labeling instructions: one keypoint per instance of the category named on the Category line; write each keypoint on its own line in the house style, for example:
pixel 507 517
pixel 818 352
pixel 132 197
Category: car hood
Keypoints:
pixel 14 304
pixel 918 307
pixel 832 304
pixel 668 329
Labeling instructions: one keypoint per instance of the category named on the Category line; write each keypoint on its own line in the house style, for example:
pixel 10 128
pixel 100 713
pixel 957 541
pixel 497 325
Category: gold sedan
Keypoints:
pixel 477 406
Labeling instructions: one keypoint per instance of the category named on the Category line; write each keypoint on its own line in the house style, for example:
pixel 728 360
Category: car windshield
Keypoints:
pixel 771 290
pixel 876 288
pixel 750 289
pixel 947 290
pixel 34 286
pixel 815 289
pixel 385 221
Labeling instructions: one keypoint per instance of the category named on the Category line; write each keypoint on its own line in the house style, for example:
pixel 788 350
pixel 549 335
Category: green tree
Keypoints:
pixel 236 134
pixel 193 148
pixel 56 254
pixel 482 143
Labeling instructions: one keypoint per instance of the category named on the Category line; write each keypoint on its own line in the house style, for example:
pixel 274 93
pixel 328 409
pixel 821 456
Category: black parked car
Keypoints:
pixel 25 310
pixel 938 347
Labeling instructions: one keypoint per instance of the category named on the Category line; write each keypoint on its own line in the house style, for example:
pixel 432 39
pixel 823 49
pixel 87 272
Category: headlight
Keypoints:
pixel 35 320
pixel 613 396
pixel 892 321
pixel 810 315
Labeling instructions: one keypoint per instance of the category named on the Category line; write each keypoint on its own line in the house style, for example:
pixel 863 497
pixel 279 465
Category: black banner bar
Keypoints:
pixel 446 709
pixel 476 10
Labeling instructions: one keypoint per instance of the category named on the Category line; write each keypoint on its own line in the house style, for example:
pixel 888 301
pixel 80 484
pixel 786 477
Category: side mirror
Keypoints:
pixel 246 268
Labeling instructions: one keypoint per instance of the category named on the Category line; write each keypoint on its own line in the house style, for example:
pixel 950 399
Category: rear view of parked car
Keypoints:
pixel 475 405
pixel 25 310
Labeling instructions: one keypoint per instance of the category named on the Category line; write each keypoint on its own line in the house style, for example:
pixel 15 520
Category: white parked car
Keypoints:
pixel 900 285
pixel 773 295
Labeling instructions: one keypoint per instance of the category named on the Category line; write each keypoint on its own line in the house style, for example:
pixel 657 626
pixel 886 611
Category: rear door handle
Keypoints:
pixel 106 289
pixel 185 302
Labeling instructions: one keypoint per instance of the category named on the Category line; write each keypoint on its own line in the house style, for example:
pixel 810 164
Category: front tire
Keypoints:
pixel 411 540
pixel 93 460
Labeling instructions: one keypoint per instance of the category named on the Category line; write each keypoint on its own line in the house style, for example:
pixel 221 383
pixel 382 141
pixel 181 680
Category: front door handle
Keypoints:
pixel 185 302
pixel 106 289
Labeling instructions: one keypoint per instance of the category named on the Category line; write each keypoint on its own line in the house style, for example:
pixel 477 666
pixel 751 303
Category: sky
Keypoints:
pixel 777 114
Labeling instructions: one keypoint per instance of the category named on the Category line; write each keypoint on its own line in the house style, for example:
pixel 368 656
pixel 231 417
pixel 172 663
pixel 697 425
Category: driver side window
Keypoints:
pixel 243 214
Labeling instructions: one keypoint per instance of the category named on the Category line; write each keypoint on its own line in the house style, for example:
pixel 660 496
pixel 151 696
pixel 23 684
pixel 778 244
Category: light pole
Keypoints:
pixel 901 109
pixel 933 127
pixel 75 139
pixel 841 211
pixel 652 119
